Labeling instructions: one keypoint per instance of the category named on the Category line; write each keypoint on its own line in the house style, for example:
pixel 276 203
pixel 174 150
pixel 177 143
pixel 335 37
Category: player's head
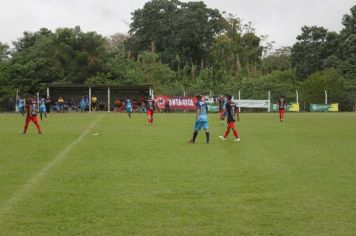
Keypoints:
pixel 198 97
pixel 229 97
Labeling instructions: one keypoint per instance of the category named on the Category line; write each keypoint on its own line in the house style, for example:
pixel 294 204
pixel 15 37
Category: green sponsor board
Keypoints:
pixel 324 107
pixel 212 108
pixel 290 107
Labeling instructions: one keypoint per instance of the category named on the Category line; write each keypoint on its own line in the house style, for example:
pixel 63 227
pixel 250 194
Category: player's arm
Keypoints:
pixel 237 114
pixel 224 112
pixel 30 109
pixel 155 104
pixel 198 112
pixel 24 110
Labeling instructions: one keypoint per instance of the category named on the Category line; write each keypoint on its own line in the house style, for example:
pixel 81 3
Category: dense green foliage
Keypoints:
pixel 126 178
pixel 186 46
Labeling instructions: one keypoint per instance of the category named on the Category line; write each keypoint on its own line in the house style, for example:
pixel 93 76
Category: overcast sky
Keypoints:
pixel 280 19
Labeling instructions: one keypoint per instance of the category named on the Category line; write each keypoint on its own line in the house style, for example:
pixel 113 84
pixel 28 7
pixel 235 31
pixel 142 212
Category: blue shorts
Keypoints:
pixel 128 109
pixel 201 124
pixel 43 110
pixel 21 110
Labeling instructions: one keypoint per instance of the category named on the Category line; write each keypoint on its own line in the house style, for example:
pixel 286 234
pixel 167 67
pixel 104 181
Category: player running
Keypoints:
pixel 151 107
pixel 128 106
pixel 43 110
pixel 201 120
pixel 281 105
pixel 232 111
pixel 31 110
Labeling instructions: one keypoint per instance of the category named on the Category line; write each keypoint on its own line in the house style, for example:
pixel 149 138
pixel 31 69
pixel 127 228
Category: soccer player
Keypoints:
pixel 21 105
pixel 48 104
pixel 82 104
pixel 43 110
pixel 31 110
pixel 222 105
pixel 151 107
pixel 94 104
pixel 201 120
pixel 232 111
pixel 128 106
pixel 281 105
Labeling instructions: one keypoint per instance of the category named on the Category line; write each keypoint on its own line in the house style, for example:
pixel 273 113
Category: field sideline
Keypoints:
pixel 106 174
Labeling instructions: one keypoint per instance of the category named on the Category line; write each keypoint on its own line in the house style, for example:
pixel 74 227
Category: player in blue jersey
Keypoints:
pixel 21 105
pixel 201 120
pixel 128 106
pixel 43 110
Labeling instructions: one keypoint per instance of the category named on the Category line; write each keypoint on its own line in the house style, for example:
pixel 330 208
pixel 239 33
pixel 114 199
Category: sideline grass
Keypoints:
pixel 127 178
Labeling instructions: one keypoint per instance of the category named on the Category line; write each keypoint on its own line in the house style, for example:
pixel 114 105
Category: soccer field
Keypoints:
pixel 106 174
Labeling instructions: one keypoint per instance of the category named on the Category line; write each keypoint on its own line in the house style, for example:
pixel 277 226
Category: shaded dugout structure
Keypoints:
pixel 106 93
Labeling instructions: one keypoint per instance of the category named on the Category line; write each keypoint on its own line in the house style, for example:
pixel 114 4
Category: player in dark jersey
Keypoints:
pixel 222 104
pixel 151 107
pixel 281 105
pixel 232 111
pixel 201 120
pixel 31 110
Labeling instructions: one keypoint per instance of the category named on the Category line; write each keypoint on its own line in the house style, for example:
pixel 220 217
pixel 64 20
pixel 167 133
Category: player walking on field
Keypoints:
pixel 31 110
pixel 43 110
pixel 151 107
pixel 232 112
pixel 201 120
pixel 282 105
pixel 128 106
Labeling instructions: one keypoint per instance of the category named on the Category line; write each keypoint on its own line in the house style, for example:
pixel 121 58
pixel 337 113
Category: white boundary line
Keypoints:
pixel 22 191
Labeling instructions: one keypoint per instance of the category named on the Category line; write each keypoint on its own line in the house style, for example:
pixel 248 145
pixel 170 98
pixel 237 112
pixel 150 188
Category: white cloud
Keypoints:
pixel 280 19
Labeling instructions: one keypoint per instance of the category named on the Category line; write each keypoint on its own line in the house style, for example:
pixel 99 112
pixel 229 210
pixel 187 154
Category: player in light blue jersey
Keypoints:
pixel 128 106
pixel 201 120
pixel 43 110
pixel 21 105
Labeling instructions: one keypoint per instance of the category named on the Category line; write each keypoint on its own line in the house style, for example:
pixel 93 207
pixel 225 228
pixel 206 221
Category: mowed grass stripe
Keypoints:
pixel 20 193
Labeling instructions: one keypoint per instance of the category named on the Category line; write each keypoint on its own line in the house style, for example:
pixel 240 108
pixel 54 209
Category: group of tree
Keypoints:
pixel 186 46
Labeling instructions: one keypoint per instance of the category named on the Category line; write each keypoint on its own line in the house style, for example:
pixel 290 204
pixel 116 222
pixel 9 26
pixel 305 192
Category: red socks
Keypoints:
pixel 228 131
pixel 235 133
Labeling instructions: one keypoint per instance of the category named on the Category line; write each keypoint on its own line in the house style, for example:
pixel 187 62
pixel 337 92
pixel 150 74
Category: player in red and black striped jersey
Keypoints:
pixel 151 107
pixel 281 105
pixel 31 110
pixel 232 112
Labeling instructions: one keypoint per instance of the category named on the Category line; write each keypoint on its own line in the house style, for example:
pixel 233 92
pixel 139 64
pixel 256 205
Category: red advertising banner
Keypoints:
pixel 176 103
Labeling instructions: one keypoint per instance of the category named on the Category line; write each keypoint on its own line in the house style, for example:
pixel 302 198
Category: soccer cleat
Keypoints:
pixel 237 140
pixel 222 137
pixel 191 141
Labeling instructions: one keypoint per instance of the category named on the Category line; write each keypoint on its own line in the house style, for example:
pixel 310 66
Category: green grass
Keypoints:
pixel 295 178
